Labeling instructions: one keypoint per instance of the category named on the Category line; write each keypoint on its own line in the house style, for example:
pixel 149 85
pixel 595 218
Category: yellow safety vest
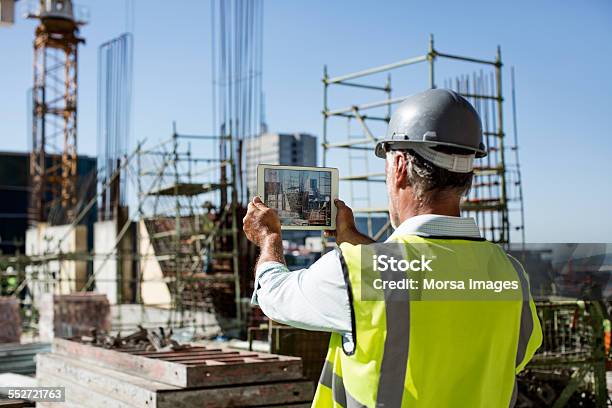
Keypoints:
pixel 434 348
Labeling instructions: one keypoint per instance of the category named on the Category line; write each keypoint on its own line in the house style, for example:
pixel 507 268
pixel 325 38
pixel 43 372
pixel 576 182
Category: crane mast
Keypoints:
pixel 53 158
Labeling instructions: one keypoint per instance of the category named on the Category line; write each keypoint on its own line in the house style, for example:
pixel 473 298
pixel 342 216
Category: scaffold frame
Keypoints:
pixel 488 200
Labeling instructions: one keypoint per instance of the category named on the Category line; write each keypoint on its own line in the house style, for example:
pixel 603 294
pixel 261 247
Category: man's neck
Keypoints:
pixel 436 206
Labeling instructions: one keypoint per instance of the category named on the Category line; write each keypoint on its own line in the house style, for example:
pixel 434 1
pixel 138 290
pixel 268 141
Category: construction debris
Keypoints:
pixel 143 339
pixel 569 367
pixel 95 376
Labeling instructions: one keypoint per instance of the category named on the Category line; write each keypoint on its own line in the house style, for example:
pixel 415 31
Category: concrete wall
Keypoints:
pixel 153 289
pixel 113 262
pixel 60 276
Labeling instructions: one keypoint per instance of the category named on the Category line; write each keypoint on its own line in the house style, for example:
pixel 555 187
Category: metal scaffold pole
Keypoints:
pixel 505 232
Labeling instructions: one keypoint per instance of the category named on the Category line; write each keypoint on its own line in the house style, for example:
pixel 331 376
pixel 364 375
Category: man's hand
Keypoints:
pixel 346 230
pixel 260 222
pixel 262 227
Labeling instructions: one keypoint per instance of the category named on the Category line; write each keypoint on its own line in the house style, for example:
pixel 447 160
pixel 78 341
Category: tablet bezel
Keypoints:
pixel 334 192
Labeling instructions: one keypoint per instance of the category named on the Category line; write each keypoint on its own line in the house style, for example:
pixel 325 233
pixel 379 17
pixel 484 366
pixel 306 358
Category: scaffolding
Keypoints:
pixel 496 189
pixel 179 229
pixel 191 226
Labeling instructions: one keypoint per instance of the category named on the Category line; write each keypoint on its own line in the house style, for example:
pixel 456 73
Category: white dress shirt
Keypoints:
pixel 316 298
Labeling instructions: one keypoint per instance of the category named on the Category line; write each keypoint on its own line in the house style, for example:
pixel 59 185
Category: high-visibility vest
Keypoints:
pixel 428 351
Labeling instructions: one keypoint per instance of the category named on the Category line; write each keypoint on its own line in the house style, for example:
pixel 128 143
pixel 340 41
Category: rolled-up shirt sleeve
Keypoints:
pixel 313 298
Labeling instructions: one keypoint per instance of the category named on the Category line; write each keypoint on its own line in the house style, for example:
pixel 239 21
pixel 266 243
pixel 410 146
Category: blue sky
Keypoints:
pixel 562 53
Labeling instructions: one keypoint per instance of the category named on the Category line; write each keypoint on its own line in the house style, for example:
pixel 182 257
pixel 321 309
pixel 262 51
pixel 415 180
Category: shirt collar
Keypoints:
pixel 438 225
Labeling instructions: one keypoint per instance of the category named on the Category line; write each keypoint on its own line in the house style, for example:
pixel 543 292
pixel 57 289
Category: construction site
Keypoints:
pixel 126 277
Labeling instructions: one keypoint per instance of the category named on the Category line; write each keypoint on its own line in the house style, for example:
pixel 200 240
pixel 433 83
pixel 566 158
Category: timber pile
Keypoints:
pixel 10 320
pixel 15 403
pixel 123 376
pixel 76 314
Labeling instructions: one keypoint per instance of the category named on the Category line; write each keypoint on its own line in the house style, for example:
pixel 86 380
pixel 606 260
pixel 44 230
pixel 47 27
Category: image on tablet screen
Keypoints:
pixel 301 197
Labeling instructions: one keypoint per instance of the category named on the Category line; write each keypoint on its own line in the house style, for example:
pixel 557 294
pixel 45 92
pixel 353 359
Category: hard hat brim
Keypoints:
pixel 384 145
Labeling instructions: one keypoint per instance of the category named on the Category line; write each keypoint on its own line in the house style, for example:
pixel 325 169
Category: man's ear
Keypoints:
pixel 400 169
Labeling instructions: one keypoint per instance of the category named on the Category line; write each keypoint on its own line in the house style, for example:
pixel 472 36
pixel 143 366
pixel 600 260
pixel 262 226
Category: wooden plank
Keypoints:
pixel 197 349
pixel 298 405
pixel 15 403
pixel 155 370
pixel 80 395
pixel 210 373
pixel 129 390
pixel 56 405
pixel 16 380
pixel 239 396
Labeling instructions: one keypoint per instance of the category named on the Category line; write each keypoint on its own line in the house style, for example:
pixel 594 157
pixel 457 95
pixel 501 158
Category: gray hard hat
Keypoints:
pixel 436 117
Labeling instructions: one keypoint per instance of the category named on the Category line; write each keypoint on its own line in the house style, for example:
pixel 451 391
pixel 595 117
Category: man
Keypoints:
pixel 411 348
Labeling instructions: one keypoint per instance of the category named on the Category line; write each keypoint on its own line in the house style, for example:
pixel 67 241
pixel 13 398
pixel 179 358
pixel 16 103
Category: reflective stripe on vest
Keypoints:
pixel 397 343
pixel 376 374
pixel 333 381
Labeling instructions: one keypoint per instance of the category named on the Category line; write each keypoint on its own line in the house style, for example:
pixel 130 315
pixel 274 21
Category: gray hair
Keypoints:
pixel 428 181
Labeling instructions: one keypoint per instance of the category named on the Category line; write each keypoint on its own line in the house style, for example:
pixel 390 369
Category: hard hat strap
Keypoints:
pixel 457 163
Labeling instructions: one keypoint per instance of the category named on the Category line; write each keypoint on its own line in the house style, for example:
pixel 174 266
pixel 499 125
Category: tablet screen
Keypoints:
pixel 302 198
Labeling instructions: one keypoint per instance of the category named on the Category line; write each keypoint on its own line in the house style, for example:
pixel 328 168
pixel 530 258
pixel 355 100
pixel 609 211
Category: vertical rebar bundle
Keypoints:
pixel 237 44
pixel 489 199
pixel 115 67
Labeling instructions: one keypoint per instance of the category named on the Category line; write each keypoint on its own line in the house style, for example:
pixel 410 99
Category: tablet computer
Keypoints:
pixel 302 196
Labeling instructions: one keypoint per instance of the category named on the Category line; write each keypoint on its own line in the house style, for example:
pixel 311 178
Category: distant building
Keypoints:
pixel 290 149
pixel 14 196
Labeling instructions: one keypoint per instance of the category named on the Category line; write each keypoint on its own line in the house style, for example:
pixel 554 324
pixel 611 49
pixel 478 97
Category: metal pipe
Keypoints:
pixel 377 118
pixel 325 81
pixel 365 106
pixel 364 86
pixel 467 59
pixel 366 129
pixel 325 115
pixel 382 68
pixel 363 177
pixel 479 96
pixel 346 143
pixel 505 232
pixel 202 137
pixel 371 210
pixel 431 56
pixel 516 157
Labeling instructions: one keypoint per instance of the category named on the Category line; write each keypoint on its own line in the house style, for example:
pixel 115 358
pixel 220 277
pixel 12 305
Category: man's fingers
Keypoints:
pixel 258 203
pixel 341 205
